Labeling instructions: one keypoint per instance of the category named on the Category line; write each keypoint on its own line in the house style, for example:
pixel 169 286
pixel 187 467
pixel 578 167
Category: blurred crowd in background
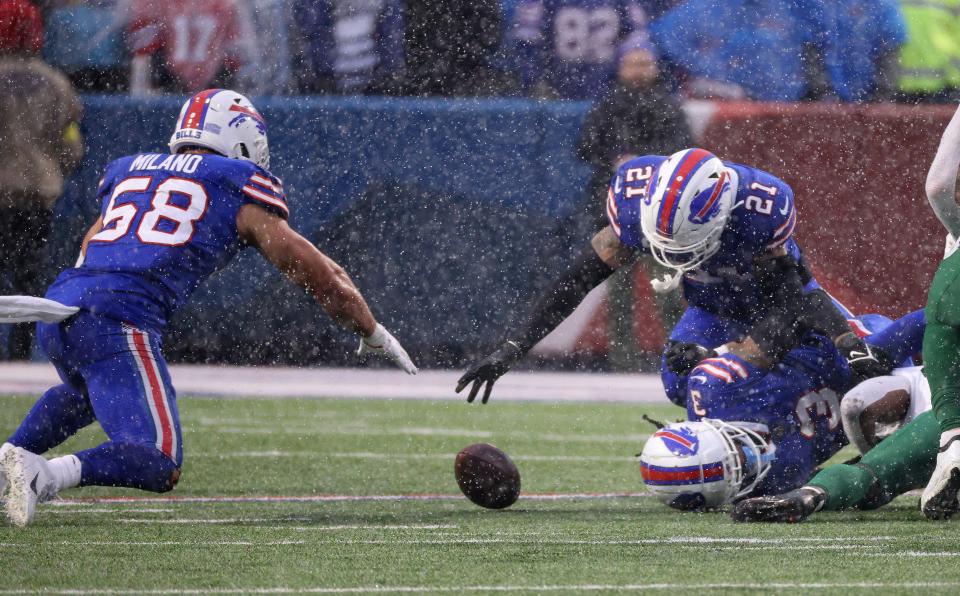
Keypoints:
pixel 764 50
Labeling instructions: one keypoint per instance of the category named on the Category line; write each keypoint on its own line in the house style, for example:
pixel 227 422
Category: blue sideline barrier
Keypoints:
pixel 446 213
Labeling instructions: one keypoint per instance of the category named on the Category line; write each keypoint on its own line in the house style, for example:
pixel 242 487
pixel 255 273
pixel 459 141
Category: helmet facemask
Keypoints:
pixel 750 456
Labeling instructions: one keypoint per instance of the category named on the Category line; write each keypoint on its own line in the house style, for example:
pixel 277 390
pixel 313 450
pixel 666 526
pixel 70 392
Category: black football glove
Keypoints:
pixel 865 361
pixel 490 369
pixel 682 357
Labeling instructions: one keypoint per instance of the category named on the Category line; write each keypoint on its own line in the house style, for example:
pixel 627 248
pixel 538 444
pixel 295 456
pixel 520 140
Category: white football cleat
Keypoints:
pixel 31 482
pixel 939 499
pixel 3 476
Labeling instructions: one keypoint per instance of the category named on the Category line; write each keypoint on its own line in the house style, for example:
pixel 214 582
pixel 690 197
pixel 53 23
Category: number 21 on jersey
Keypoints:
pixel 761 204
pixel 181 219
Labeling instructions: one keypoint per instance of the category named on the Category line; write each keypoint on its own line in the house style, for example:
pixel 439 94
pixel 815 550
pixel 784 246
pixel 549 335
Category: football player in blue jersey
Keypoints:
pixel 779 394
pixel 167 222
pixel 725 230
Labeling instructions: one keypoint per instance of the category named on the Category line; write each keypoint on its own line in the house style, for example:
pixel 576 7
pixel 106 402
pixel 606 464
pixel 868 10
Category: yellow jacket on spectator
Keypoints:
pixel 930 60
pixel 38 124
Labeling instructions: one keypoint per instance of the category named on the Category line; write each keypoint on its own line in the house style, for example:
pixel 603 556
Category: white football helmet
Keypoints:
pixel 686 208
pixel 226 122
pixel 705 464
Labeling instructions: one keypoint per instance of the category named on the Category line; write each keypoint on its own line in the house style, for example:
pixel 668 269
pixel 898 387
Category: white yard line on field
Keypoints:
pixel 773 544
pixel 254 520
pixel 64 510
pixel 225 520
pixel 48 543
pixel 534 588
pixel 916 553
pixel 403 456
pixel 265 430
pixel 172 500
pixel 284 382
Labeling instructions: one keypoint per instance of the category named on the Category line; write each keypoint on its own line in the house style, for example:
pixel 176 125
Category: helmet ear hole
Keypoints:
pixel 244 151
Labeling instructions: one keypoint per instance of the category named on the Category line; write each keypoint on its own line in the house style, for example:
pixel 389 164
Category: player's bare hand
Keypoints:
pixel 381 342
pixel 488 370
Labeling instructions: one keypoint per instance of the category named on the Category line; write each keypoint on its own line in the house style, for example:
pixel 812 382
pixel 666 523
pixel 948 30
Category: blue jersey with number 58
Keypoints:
pixel 169 221
pixel 762 218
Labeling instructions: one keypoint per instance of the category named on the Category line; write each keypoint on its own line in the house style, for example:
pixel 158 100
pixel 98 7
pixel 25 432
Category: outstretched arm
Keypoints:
pixel 327 281
pixel 942 178
pixel 307 267
pixel 595 264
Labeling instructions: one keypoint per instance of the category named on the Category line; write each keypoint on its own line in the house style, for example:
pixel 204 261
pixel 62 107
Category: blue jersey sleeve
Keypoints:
pixel 902 338
pixel 725 387
pixel 259 187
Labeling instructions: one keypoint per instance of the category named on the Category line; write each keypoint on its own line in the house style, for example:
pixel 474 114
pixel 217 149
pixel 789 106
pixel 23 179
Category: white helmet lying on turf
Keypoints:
pixel 689 200
pixel 705 464
pixel 223 121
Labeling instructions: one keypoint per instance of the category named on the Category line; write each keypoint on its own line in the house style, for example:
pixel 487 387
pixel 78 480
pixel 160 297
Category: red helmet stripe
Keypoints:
pixel 197 111
pixel 679 177
pixel 685 475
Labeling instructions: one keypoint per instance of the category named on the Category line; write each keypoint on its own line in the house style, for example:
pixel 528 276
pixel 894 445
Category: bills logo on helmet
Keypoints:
pixel 679 440
pixel 245 114
pixel 706 204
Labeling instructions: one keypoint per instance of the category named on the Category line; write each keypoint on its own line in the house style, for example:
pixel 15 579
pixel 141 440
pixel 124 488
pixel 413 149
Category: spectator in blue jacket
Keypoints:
pixel 735 49
pixel 859 41
pixel 85 40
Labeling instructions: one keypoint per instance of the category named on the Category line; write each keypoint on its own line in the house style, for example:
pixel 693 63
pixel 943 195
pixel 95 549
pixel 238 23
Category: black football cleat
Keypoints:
pixel 792 507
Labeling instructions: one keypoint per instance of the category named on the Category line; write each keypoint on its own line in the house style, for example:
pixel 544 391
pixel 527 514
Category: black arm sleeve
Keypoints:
pixel 563 296
pixel 820 313
pixel 781 282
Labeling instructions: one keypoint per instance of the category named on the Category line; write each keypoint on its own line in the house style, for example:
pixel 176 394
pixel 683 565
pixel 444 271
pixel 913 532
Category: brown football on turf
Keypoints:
pixel 487 476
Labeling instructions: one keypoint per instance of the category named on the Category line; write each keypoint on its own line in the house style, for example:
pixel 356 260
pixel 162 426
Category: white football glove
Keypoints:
pixel 381 342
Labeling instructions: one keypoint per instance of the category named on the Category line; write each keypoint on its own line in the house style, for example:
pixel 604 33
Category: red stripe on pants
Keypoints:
pixel 156 393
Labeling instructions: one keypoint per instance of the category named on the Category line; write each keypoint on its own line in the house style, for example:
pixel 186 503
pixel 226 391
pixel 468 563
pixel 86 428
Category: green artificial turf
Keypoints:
pixel 378 448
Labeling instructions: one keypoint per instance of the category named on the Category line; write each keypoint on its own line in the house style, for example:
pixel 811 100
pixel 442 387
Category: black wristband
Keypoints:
pixel 563 296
